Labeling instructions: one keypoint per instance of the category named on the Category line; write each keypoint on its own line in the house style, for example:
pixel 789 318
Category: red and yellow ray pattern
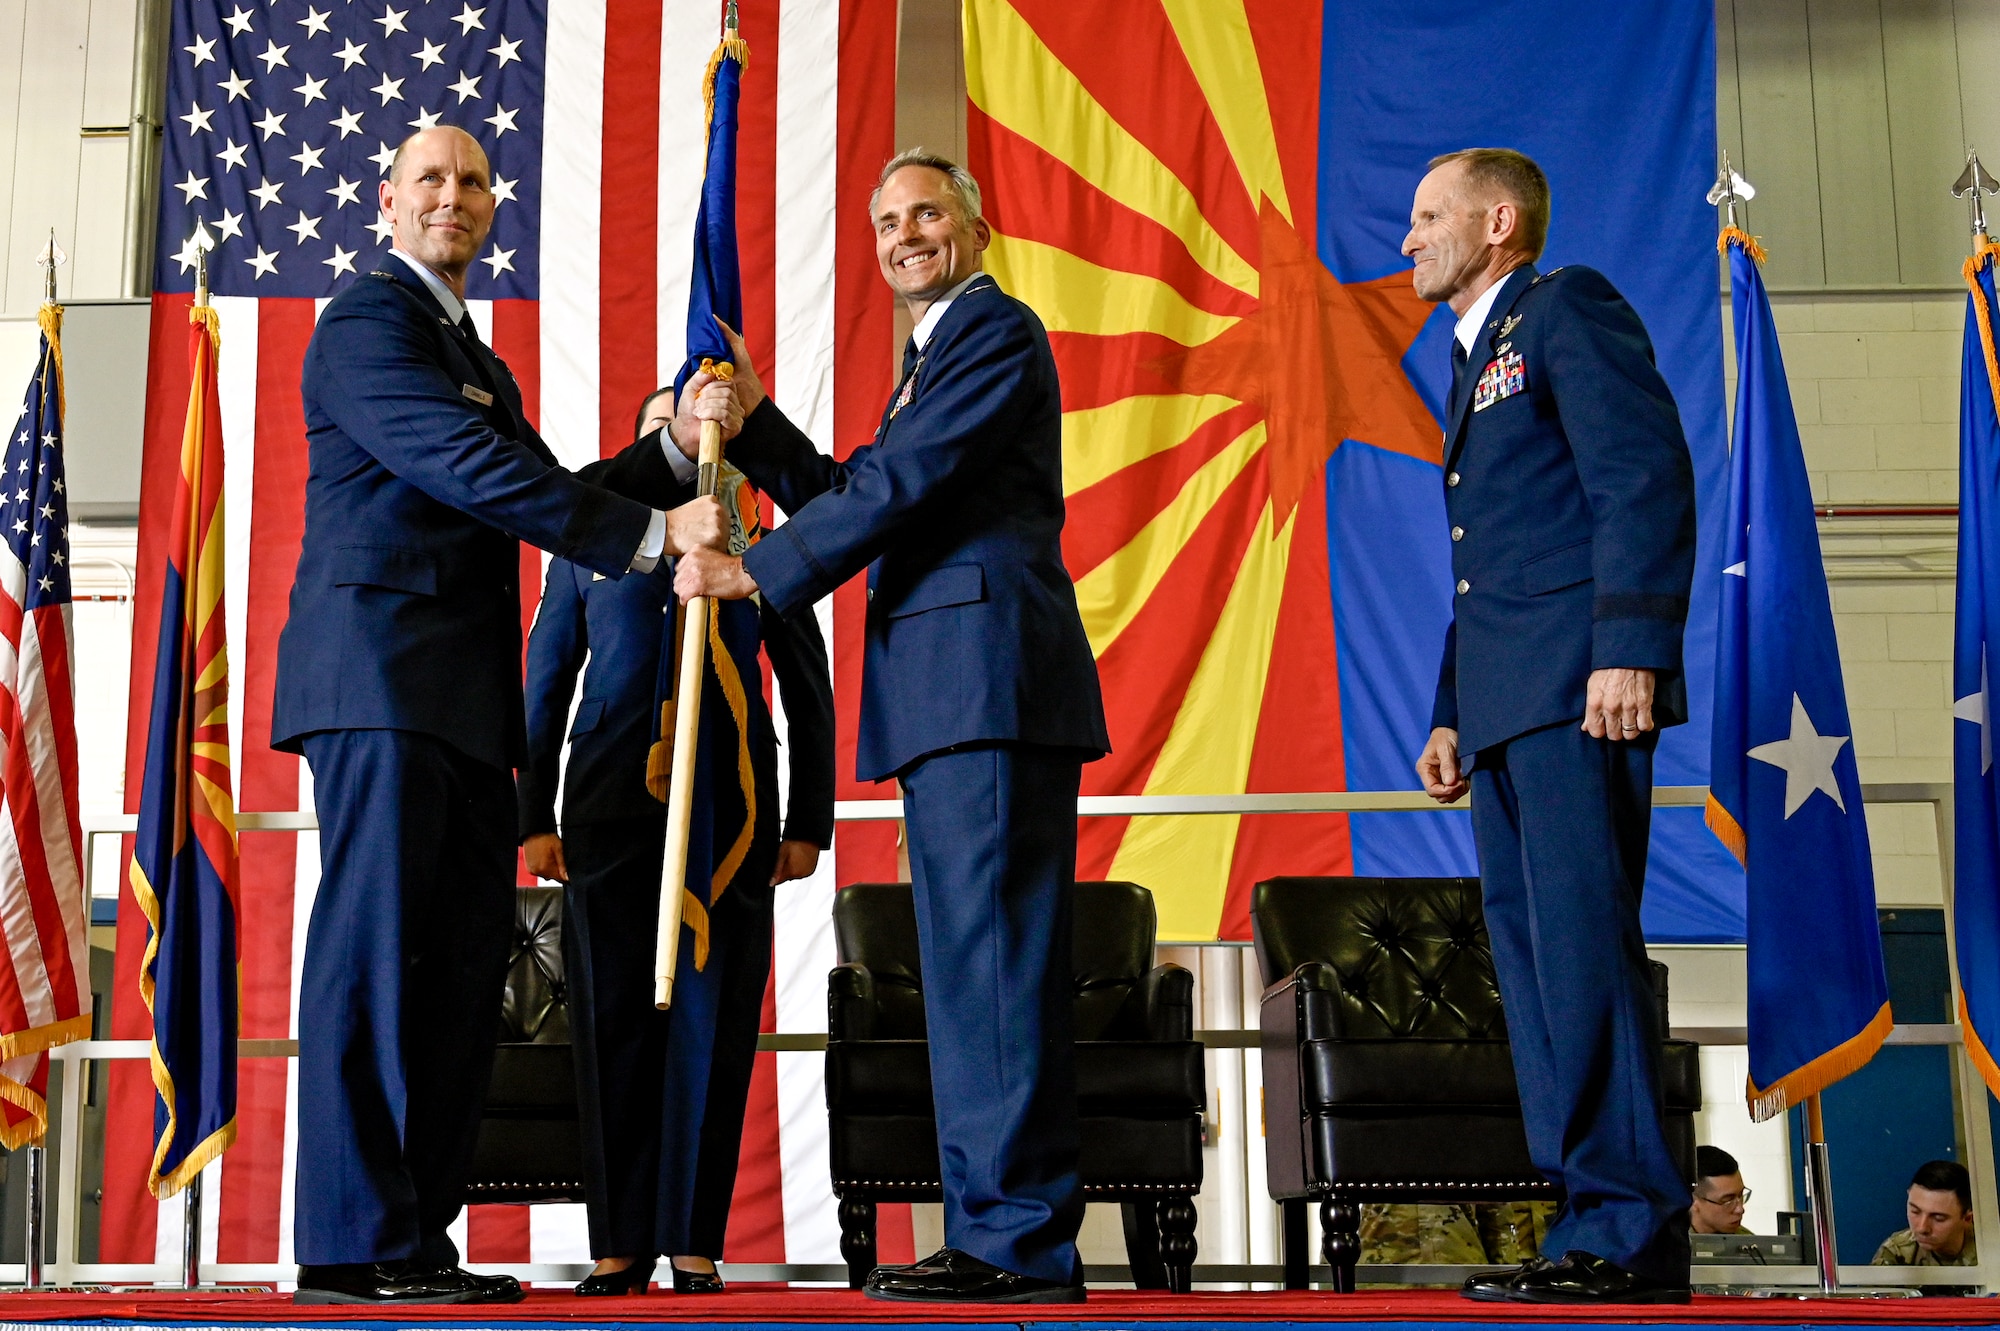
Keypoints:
pixel 1151 177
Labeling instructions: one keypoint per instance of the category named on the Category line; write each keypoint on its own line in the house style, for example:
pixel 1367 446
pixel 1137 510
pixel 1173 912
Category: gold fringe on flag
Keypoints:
pixel 1794 1087
pixel 729 48
pixel 1978 259
pixel 1721 822
pixel 50 318
pixel 1746 241
pixel 1976 1050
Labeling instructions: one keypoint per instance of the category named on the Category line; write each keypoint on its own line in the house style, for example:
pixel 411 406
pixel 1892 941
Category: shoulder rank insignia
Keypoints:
pixel 1503 377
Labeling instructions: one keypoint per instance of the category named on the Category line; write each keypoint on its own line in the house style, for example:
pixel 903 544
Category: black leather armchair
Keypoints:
pixel 1387 1075
pixel 528 1149
pixel 1140 1080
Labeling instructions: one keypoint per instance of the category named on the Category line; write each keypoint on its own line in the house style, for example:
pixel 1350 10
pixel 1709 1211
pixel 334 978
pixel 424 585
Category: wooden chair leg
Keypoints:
pixel 1298 1261
pixel 1340 1240
pixel 857 1239
pixel 1177 1242
pixel 1142 1242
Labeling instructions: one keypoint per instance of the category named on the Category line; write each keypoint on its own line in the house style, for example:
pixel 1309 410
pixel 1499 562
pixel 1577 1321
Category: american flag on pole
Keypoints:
pixel 45 985
pixel 279 120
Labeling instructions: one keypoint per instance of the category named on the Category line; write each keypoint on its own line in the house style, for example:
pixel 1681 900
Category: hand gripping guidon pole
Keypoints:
pixel 687 724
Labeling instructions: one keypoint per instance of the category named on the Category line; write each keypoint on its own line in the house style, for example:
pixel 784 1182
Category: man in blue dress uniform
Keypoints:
pixel 979 693
pixel 1570 494
pixel 399 680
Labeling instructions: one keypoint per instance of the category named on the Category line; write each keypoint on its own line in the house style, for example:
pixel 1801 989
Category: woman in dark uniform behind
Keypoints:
pixel 662 1094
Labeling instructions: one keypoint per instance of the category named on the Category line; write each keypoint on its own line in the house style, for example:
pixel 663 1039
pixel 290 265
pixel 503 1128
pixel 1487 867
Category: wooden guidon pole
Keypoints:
pixel 687 724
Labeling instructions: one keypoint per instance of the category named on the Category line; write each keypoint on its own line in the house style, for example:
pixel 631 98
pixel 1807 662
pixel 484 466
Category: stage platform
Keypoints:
pixel 775 1308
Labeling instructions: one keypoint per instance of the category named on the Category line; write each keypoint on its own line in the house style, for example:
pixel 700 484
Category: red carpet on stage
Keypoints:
pixel 768 1306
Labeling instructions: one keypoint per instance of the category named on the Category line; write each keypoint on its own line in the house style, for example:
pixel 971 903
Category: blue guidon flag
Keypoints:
pixel 1785 794
pixel 1976 893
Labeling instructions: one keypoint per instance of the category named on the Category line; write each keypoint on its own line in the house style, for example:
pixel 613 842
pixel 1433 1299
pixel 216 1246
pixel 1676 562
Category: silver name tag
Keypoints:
pixel 479 395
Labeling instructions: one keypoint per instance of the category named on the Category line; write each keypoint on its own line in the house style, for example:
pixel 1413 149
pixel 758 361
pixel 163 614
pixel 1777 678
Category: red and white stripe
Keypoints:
pixel 623 125
pixel 42 912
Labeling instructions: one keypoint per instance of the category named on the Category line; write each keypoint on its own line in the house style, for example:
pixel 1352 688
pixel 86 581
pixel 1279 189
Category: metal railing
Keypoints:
pixel 66 1269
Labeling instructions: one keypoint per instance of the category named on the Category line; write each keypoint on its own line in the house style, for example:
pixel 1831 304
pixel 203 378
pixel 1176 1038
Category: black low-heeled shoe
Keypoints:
pixel 634 1279
pixel 696 1282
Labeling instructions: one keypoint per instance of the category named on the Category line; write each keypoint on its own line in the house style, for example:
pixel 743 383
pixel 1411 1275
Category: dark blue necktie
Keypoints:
pixel 910 355
pixel 1458 360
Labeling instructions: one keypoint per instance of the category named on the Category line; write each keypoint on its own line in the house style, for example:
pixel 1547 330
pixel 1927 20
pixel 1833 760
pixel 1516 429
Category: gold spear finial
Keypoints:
pixel 50 259
pixel 1972 184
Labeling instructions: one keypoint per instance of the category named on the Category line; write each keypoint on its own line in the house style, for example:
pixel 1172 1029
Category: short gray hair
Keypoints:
pixel 960 186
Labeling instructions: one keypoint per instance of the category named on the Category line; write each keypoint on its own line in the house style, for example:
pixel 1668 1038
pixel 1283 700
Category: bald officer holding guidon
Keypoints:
pixel 1570 495
pixel 399 679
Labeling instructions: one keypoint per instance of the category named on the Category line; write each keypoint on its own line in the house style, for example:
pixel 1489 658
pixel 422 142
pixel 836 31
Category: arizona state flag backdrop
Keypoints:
pixel 1785 794
pixel 1976 874
pixel 183 868
pixel 1205 201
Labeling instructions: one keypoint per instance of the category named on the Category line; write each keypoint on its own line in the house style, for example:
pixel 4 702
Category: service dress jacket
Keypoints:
pixel 1570 493
pixel 423 474
pixel 956 510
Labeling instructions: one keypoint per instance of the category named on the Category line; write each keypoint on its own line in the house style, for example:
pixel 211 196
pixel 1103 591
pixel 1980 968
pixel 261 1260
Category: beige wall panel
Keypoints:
pixel 1926 138
pixel 55 38
pixel 1851 117
pixel 97 245
pixel 1780 139
pixel 107 81
pixel 13 56
pixel 1978 29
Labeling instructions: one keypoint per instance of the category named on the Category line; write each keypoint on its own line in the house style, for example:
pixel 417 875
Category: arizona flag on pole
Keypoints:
pixel 183 868
pixel 1785 794
pixel 44 988
pixel 1976 894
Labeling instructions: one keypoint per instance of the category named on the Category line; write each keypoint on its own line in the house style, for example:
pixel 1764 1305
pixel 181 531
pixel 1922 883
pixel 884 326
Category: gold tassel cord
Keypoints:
pixel 1745 240
pixel 50 317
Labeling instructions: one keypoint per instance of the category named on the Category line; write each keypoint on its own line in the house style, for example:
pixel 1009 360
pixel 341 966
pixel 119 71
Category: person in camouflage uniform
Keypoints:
pixel 1940 1212
pixel 1454 1234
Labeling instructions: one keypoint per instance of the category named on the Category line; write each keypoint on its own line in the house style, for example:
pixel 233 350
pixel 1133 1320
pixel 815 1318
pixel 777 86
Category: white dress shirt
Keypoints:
pixel 921 334
pixel 1469 323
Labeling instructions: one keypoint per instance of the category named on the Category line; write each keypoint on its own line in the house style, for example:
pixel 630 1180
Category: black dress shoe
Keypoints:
pixel 401 1282
pixel 951 1276
pixel 1493 1286
pixel 634 1279
pixel 1582 1277
pixel 697 1282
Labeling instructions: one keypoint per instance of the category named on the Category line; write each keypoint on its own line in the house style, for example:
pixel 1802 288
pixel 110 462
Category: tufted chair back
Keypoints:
pixel 1411 954
pixel 533 1009
pixel 875 925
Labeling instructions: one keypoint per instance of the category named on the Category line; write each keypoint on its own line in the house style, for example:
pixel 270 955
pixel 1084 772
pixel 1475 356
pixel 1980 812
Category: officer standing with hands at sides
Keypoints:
pixel 662 1094
pixel 1571 497
pixel 979 694
pixel 399 680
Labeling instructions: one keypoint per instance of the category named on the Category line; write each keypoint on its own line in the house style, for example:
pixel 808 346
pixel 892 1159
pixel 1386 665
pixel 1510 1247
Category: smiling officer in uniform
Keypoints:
pixel 1570 494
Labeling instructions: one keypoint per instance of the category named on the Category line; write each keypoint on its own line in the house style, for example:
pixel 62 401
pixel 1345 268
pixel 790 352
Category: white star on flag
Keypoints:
pixel 341 262
pixel 236 86
pixel 392 20
pixel 344 192
pixel 314 21
pixel 273 55
pixel 502 261
pixel 351 54
pixel 347 122
pixel 231 156
pixel 431 53
pixel 467 87
pixel 467 19
pixel 197 119
pixel 194 187
pixel 1978 709
pixel 502 120
pixel 239 22
pixel 1807 757
pixel 265 263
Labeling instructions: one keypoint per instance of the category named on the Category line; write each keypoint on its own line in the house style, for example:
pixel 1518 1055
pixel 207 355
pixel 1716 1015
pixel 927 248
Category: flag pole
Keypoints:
pixel 687 724
pixel 687 695
pixel 50 259
pixel 1819 1197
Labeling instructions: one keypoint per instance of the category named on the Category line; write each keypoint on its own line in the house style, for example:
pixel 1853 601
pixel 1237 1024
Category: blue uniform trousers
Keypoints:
pixel 399 998
pixel 660 1146
pixel 1562 822
pixel 992 835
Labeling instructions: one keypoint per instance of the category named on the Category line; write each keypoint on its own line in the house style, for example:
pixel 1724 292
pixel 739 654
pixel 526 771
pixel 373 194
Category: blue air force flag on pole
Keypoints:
pixel 1976 891
pixel 1785 794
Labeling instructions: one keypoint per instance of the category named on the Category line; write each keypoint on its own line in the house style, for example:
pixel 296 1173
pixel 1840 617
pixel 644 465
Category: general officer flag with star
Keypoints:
pixel 1785 794
pixel 1976 892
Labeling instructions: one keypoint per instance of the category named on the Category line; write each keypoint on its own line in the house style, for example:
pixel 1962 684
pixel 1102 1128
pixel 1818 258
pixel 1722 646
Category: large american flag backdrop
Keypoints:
pixel 281 115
